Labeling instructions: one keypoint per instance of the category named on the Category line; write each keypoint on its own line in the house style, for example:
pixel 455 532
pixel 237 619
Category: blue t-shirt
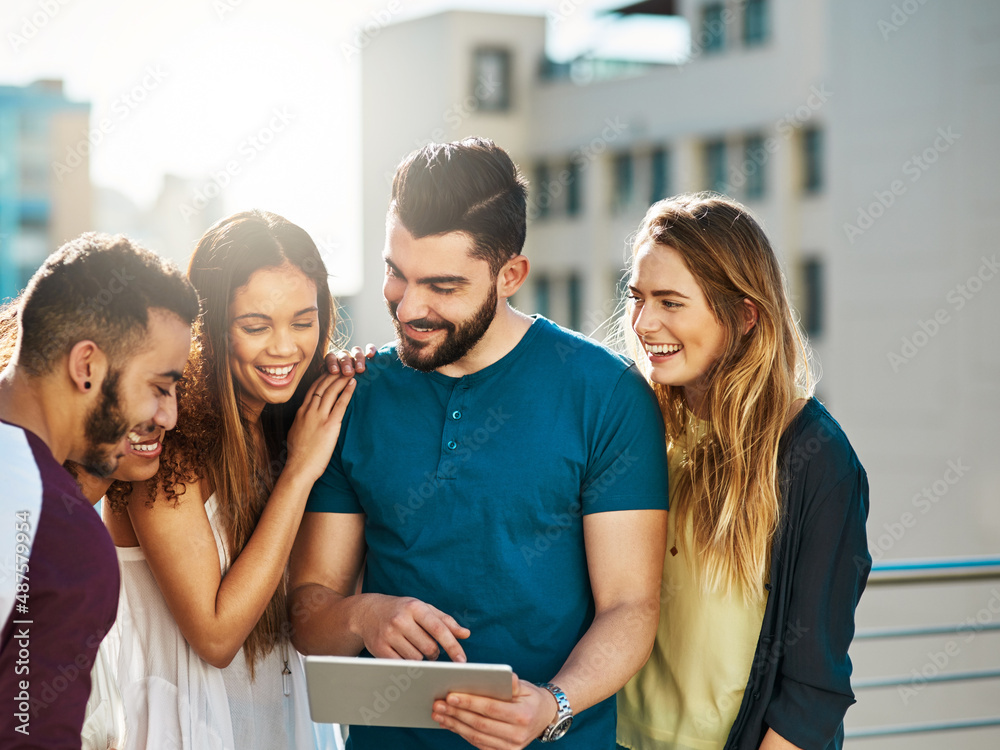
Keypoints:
pixel 474 489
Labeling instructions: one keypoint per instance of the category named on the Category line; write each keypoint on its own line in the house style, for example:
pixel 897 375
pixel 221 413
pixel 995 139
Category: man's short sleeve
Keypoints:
pixel 628 462
pixel 333 492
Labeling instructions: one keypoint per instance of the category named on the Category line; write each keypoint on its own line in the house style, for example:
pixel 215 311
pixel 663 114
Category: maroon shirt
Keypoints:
pixel 65 600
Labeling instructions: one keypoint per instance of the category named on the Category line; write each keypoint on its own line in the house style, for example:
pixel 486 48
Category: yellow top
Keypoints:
pixel 687 695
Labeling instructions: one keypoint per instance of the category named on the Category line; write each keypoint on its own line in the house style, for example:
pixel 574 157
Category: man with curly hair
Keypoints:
pixel 103 334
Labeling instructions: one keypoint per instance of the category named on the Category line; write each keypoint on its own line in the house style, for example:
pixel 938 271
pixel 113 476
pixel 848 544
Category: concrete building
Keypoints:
pixel 45 191
pixel 863 135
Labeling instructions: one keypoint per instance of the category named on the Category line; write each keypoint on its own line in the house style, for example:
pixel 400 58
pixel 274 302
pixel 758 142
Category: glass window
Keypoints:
pixel 755 166
pixel 812 301
pixel 574 199
pixel 756 24
pixel 575 293
pixel 812 158
pixel 542 190
pixel 623 180
pixel 491 86
pixel 543 295
pixel 715 166
pixel 660 188
pixel 713 28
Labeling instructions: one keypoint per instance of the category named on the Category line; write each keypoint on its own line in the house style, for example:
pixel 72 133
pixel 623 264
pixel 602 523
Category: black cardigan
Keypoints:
pixel 800 681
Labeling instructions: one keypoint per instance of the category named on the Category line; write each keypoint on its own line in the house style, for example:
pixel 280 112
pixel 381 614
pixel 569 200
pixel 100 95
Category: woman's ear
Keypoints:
pixel 749 316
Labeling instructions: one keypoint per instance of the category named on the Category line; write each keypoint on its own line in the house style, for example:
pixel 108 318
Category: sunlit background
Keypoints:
pixel 863 133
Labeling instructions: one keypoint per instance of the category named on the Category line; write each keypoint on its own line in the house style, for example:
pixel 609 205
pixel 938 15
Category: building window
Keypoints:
pixel 812 296
pixel 623 181
pixel 756 23
pixel 715 166
pixel 575 292
pixel 713 28
pixel 755 167
pixel 660 162
pixel 574 200
pixel 543 296
pixel 543 191
pixel 491 86
pixel 812 159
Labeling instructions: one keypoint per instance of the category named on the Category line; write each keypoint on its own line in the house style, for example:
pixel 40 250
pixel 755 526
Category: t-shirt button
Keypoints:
pixel 456 414
pixel 452 445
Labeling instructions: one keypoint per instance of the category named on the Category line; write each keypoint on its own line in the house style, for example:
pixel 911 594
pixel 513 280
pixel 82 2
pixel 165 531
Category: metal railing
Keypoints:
pixel 924 572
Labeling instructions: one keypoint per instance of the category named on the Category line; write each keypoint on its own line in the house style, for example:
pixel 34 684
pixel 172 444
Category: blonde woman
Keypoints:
pixel 767 552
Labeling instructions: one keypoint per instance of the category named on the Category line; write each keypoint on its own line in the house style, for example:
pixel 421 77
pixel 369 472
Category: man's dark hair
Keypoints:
pixel 470 186
pixel 97 288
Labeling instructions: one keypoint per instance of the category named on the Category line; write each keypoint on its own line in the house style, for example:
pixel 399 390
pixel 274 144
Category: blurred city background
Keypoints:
pixel 863 133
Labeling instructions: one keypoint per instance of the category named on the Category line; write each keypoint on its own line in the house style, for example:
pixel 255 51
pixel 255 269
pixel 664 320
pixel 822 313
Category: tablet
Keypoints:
pixel 394 692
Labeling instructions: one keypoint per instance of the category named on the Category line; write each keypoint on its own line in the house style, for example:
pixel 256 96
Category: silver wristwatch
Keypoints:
pixel 564 718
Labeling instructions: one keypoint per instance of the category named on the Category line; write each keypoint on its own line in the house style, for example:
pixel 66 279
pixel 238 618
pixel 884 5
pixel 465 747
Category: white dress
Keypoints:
pixel 176 701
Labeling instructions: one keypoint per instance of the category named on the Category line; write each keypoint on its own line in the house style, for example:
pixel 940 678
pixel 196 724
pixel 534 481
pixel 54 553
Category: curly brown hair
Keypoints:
pixel 214 440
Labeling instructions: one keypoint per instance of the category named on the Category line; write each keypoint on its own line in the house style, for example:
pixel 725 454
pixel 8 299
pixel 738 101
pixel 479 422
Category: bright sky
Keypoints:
pixel 187 86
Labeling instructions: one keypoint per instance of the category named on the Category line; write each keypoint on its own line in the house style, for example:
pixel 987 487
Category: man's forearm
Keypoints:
pixel 612 650
pixel 321 621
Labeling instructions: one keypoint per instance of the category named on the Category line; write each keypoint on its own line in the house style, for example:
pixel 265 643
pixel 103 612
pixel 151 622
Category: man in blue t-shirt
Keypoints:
pixel 501 480
pixel 103 331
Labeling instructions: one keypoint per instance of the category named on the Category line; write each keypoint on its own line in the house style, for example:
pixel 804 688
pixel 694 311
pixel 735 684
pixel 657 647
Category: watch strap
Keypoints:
pixel 564 717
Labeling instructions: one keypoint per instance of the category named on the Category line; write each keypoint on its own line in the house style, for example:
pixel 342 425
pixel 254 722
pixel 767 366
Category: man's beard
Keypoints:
pixel 105 425
pixel 457 342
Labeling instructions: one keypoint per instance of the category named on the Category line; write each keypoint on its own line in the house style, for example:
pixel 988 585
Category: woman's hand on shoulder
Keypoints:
pixel 314 432
pixel 349 362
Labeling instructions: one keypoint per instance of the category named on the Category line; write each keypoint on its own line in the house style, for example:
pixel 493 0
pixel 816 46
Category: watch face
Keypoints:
pixel 560 728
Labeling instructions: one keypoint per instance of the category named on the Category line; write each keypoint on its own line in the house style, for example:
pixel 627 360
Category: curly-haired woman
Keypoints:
pixel 767 547
pixel 204 544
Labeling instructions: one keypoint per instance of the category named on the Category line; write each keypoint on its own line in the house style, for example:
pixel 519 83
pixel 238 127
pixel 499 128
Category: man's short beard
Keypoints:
pixel 458 340
pixel 105 425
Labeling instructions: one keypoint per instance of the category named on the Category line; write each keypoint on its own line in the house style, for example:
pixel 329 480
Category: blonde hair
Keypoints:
pixel 728 483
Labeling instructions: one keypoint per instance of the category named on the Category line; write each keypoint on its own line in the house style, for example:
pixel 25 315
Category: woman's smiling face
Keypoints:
pixel 274 332
pixel 679 332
